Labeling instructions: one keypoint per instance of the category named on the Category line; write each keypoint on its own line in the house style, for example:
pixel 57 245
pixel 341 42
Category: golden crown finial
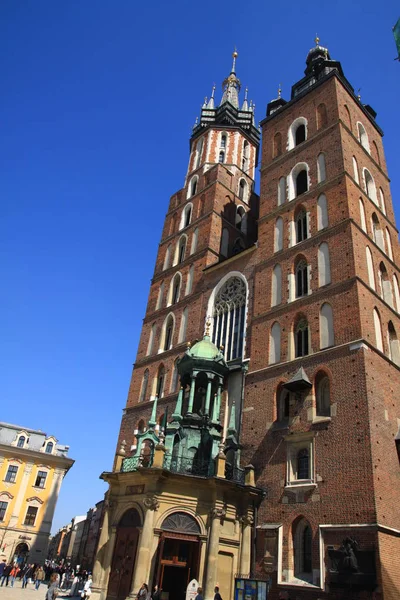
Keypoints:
pixel 235 53
pixel 316 39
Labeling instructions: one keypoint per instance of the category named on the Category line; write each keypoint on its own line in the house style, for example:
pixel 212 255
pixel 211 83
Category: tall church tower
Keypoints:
pixel 260 431
pixel 321 413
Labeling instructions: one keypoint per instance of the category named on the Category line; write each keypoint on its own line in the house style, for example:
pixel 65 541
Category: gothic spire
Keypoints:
pixel 231 86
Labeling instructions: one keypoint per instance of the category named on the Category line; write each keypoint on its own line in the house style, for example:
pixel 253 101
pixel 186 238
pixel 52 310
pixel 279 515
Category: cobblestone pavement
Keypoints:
pixel 17 593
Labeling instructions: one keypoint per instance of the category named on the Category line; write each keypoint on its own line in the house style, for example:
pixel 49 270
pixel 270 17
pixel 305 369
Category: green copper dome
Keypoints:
pixel 204 349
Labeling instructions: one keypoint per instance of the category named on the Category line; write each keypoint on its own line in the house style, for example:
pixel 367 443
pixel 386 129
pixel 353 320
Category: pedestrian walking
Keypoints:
pixel 217 595
pixel 27 573
pixel 199 595
pixel 6 574
pixel 87 588
pixel 3 565
pixel 156 595
pixel 39 577
pixel 13 574
pixel 52 591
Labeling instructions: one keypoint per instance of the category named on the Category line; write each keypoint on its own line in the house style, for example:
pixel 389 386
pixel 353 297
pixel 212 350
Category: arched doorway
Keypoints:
pixel 120 581
pixel 179 554
pixel 21 554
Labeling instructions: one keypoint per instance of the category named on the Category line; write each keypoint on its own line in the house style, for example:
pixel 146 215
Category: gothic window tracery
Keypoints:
pixel 180 521
pixel 229 317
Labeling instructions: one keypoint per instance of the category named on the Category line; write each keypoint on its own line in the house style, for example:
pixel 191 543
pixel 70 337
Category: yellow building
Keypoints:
pixel 32 467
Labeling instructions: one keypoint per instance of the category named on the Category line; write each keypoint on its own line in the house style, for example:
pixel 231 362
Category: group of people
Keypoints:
pixel 145 594
pixel 58 578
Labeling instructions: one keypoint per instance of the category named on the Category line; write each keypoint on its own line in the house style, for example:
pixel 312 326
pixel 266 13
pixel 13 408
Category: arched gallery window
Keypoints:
pixel 370 268
pixel 301 339
pixel 321 167
pixel 145 383
pixel 278 236
pixel 326 331
pixel 301 276
pixel 229 313
pixel 275 344
pixel 378 330
pixel 323 395
pixel 276 286
pixel 324 265
pixel 322 212
pixel 362 136
pixel 281 191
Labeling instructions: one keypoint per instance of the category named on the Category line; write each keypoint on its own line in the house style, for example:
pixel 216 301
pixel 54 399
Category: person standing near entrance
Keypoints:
pixel 156 595
pixel 217 595
pixel 143 593
pixel 6 575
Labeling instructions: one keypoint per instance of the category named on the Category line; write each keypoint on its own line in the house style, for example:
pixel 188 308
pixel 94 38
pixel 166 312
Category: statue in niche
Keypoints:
pixel 348 560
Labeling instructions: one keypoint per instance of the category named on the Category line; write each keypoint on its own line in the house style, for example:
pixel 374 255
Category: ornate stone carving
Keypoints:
pixel 246 519
pixel 151 503
pixel 217 513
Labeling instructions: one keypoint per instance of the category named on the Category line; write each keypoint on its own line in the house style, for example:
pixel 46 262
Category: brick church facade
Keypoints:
pixel 287 305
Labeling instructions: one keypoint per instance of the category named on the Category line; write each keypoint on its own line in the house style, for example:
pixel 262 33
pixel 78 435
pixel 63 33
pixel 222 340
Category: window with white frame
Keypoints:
pixel 363 137
pixel 385 284
pixel 243 190
pixel 281 191
pixel 301 226
pixel 300 467
pixel 145 383
pixel 324 265
pixel 160 381
pixel 167 258
pixel 11 474
pixel 49 448
pixel 382 201
pixel 186 216
pixel 245 156
pixel 167 333
pixel 301 278
pixel 3 510
pixel 40 480
pixel 370 187
pixel 21 441
pixel 276 286
pixel 151 339
pixel 229 313
pixel 370 268
pixel 160 295
pixel 282 404
pixel 275 344
pixel 193 186
pixel 396 293
pixel 302 551
pixel 362 216
pixel 326 331
pixel 378 330
pixel 30 516
pixel 278 235
pixel 322 212
pixel 377 232
pixel 199 151
pixel 355 169
pixel 394 349
pixel 389 244
pixel 321 168
pixel 297 132
pixel 189 282
pixel 298 180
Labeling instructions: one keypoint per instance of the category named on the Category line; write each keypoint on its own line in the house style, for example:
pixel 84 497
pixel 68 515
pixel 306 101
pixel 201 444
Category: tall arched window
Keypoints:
pixel 277 149
pixel 322 116
pixel 223 141
pixel 396 293
pixel 301 183
pixel 189 282
pixel 221 157
pixel 174 289
pixel 301 272
pixel 167 257
pixel 145 383
pixel 193 186
pixel 282 403
pixel 278 236
pixel 377 232
pixel 243 189
pixel 370 268
pixel 183 327
pixel 302 537
pixel 246 155
pixel 49 448
pixel 363 137
pixel 298 180
pixel 297 132
pixel 160 381
pixel 229 313
pixel 303 464
pixel 160 295
pixel 324 265
pixel 323 395
pixel 393 344
pixel 225 242
pixel 199 151
pixel 195 237
pixel 151 339
pixel 275 344
pixel 167 333
pixel 276 286
pixel 355 169
pixel 382 201
pixel 378 330
pixel 326 331
pixel 186 216
pixel 385 283
pixel 370 187
pixel 322 212
pixel 347 117
pixel 180 250
pixel 281 191
pixel 321 167
pixel 175 377
pixel 301 226
pixel 389 244
pixel 362 216
pixel 240 213
pixel 302 339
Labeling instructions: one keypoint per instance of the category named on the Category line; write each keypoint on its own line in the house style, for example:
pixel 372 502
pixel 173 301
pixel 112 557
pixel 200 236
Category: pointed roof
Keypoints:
pixel 298 382
pixel 231 85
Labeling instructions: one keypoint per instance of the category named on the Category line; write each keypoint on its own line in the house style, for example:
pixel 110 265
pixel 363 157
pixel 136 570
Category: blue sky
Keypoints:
pixel 97 104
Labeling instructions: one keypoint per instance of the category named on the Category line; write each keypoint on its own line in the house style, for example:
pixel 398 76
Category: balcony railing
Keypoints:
pixel 184 465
